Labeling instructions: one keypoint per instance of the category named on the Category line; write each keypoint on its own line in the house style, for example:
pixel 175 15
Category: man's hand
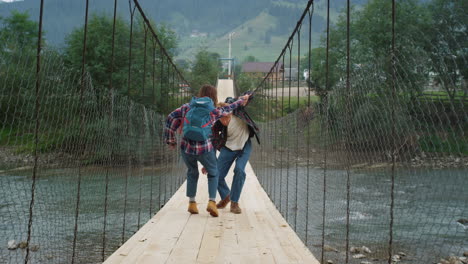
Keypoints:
pixel 204 171
pixel 245 98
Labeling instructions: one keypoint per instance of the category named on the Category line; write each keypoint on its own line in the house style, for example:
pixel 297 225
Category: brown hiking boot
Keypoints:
pixel 192 208
pixel 235 208
pixel 223 203
pixel 211 208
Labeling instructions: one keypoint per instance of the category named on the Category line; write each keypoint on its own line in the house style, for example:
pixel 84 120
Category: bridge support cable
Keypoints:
pixel 296 125
pixel 37 108
pixel 81 128
pixel 110 160
pixel 347 131
pixel 306 239
pixel 394 148
pixel 324 110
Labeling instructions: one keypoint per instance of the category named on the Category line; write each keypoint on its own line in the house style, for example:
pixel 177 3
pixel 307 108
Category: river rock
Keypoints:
pixel 366 262
pixel 365 249
pixel 329 261
pixel 329 248
pixel 396 258
pixel 355 250
pixel 454 260
pixel 359 256
pixel 23 244
pixel 465 253
pixel 12 245
pixel 402 254
pixel 34 248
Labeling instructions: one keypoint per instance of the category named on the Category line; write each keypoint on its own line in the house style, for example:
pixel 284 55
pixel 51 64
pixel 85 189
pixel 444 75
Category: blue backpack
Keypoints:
pixel 197 124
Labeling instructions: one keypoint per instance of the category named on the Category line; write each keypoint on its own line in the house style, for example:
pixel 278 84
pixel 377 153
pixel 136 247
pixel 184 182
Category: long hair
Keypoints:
pixel 209 91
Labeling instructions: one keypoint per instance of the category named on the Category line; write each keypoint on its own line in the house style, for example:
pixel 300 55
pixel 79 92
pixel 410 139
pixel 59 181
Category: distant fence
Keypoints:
pixel 83 164
pixel 365 168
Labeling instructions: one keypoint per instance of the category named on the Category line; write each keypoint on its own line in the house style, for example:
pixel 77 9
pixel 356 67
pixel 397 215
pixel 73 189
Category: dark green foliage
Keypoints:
pixel 205 69
pixel 99 51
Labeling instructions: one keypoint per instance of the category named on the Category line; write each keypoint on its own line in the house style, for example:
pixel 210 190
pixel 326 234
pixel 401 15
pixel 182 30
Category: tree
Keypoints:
pixel 446 43
pixel 99 54
pixel 18 32
pixel 317 77
pixel 18 47
pixel 205 69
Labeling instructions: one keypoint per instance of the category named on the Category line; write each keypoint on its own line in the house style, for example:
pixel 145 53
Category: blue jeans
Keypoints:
pixel 225 159
pixel 208 160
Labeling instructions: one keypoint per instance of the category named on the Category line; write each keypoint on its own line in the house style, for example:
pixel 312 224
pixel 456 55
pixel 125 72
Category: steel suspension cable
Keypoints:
pixel 394 148
pixel 127 130
pixel 297 122
pixel 109 126
pixel 78 192
pixel 37 108
pixel 308 126
pixel 324 201
pixel 347 135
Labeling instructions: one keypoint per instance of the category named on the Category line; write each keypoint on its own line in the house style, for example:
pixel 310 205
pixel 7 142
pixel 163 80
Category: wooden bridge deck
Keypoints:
pixel 258 235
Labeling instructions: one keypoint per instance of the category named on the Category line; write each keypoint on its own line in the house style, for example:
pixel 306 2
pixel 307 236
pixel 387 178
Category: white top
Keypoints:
pixel 238 134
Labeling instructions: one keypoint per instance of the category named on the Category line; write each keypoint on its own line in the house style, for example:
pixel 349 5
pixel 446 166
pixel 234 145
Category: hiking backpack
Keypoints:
pixel 197 124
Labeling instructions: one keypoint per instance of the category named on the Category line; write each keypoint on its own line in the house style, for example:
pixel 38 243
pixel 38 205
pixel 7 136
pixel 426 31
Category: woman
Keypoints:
pixel 202 151
pixel 231 136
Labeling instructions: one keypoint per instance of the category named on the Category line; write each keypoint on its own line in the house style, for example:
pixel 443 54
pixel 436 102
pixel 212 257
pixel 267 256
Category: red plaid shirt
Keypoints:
pixel 175 119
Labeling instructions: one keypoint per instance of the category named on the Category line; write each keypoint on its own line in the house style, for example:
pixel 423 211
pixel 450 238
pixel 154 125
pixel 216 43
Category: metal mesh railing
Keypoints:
pixel 366 156
pixel 82 161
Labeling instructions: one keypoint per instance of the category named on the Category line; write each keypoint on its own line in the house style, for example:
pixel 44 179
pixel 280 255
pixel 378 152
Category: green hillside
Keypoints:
pixel 262 36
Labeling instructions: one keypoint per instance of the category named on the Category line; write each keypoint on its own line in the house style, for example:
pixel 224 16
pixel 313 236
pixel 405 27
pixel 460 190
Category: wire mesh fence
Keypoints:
pixel 365 150
pixel 82 161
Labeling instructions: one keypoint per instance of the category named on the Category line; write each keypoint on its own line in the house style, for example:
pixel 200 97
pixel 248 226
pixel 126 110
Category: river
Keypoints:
pixel 427 205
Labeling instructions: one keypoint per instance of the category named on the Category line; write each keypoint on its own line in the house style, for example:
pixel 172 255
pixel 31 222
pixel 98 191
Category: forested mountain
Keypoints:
pixel 210 19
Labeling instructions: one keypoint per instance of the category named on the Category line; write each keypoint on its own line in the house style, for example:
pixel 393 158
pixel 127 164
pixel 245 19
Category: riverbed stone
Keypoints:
pixel 465 253
pixel 12 245
pixel 359 256
pixel 354 250
pixel 23 244
pixel 329 248
pixel 329 261
pixel 34 248
pixel 365 249
pixel 454 260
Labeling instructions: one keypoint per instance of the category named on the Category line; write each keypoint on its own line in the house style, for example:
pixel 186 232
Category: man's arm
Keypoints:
pixel 173 122
pixel 219 112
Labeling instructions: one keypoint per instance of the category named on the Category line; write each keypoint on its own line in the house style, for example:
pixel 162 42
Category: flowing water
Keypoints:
pixel 427 205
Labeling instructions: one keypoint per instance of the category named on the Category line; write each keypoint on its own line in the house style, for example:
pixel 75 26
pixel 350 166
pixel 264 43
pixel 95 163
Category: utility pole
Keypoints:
pixel 230 57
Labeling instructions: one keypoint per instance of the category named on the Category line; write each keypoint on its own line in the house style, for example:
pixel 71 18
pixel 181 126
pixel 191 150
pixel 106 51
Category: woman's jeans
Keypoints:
pixel 208 160
pixel 225 160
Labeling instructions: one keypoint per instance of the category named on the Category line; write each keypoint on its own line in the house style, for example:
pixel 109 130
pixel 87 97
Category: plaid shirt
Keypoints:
pixel 174 121
pixel 220 131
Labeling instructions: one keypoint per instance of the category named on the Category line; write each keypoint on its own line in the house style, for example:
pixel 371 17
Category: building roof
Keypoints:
pixel 260 66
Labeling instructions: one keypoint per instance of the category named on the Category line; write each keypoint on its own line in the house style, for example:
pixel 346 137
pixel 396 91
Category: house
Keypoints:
pixel 261 69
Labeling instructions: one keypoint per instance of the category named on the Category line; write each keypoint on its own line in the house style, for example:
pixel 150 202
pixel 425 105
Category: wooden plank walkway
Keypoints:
pixel 258 235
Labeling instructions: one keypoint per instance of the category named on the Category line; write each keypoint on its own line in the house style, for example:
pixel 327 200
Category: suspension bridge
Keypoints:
pixel 364 166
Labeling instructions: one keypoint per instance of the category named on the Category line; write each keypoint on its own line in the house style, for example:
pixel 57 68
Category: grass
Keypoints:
pixel 24 141
pixel 442 95
pixel 293 103
pixel 434 143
